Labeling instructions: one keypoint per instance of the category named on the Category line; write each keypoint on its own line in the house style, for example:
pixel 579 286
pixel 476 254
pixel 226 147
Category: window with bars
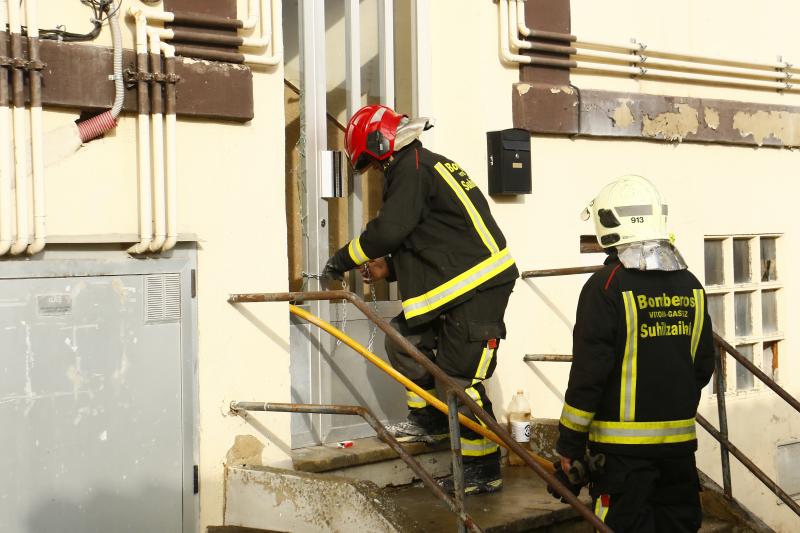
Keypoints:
pixel 744 291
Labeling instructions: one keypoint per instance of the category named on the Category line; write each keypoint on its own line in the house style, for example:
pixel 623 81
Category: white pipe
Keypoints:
pixel 170 137
pixel 637 47
pixel 513 28
pixel 644 60
pixel 505 40
pixel 277 40
pixel 6 166
pixel 642 72
pixel 521 26
pixel 143 132
pixel 20 153
pixel 157 156
pixel 37 152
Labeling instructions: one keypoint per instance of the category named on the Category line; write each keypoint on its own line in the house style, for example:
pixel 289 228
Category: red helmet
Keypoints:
pixel 371 133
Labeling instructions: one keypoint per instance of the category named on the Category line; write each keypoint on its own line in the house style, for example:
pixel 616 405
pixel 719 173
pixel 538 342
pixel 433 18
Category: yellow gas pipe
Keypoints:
pixel 397 376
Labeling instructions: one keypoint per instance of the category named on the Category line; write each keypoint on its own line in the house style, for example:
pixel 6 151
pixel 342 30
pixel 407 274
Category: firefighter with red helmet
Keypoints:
pixel 435 236
pixel 642 353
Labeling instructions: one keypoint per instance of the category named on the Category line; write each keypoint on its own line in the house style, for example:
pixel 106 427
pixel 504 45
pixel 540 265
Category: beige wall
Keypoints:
pixel 711 190
pixel 231 192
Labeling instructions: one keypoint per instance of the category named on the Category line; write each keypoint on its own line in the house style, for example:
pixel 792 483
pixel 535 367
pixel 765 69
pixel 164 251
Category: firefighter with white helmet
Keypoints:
pixel 435 235
pixel 642 353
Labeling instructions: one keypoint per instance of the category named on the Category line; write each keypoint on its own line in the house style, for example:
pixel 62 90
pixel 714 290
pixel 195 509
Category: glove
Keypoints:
pixel 332 275
pixel 568 480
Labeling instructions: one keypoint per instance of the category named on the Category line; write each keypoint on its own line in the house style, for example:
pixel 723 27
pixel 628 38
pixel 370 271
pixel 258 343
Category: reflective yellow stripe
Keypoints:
pixel 477 447
pixel 600 510
pixel 699 316
pixel 415 400
pixel 483 365
pixel 575 419
pixel 627 385
pixel 356 252
pixel 461 284
pixel 477 220
pixel 671 431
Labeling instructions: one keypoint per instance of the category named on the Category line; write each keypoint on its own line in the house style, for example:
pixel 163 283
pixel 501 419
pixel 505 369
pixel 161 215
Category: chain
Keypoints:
pixel 373 297
pixel 311 275
pixel 368 279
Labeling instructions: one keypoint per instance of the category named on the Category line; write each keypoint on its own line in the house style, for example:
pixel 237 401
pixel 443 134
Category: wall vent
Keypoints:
pixel 162 296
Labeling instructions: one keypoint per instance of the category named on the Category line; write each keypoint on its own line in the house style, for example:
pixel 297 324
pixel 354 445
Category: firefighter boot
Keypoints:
pixel 424 424
pixel 481 474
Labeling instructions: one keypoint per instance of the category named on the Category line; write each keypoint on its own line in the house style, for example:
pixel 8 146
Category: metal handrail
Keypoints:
pixel 560 271
pixel 441 377
pixel 455 504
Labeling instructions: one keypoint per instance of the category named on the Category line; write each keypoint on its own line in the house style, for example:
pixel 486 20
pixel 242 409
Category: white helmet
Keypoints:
pixel 628 210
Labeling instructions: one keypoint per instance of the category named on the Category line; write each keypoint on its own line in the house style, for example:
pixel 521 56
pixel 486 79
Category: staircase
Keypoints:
pixel 366 488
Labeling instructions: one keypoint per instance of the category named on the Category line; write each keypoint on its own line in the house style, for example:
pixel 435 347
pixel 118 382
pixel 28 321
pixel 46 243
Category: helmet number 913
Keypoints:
pixel 637 220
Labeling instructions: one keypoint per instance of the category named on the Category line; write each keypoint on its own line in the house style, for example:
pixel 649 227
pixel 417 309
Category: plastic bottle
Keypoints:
pixel 519 424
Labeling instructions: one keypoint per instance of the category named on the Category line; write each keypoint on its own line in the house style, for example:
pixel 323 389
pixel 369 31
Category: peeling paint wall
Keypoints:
pixel 671 126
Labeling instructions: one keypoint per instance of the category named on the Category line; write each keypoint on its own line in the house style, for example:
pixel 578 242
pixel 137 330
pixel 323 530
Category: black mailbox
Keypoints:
pixel 509 161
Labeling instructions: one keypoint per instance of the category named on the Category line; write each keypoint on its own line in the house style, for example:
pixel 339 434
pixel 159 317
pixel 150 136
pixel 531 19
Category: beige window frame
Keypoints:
pixel 742 259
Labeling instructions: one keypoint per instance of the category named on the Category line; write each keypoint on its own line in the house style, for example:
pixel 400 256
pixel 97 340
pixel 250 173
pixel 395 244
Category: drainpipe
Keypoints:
pixel 37 135
pixel 6 167
pixel 171 149
pixel 143 131
pixel 20 137
pixel 157 143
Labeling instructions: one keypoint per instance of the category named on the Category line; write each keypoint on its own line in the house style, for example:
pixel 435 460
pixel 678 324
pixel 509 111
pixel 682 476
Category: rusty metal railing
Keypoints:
pixel 721 435
pixel 438 374
pixel 455 504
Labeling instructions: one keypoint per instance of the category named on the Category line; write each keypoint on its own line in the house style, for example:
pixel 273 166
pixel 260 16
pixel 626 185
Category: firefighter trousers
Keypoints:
pixel 463 342
pixel 644 495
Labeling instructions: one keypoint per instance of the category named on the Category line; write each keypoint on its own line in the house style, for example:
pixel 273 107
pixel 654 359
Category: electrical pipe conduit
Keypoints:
pixel 6 157
pixel 143 141
pixel 20 133
pixel 439 375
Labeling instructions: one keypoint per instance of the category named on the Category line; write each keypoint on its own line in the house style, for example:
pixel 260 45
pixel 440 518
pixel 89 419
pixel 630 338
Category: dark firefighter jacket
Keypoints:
pixel 436 225
pixel 642 352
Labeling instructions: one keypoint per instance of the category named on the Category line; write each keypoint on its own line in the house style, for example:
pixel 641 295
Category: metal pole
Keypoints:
pixel 439 375
pixel 547 358
pixel 455 447
pixel 386 51
pixel 355 202
pixel 560 271
pixel 757 372
pixel 464 519
pixel 769 483
pixel 719 377
pixel 313 140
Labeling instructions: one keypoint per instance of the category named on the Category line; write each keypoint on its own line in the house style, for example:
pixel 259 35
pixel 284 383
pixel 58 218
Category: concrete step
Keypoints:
pixel 370 459
pixel 715 525
pixel 522 505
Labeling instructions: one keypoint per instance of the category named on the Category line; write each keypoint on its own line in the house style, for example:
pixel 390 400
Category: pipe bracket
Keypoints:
pixel 24 64
pixel 5 61
pixel 133 76
pixel 158 77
